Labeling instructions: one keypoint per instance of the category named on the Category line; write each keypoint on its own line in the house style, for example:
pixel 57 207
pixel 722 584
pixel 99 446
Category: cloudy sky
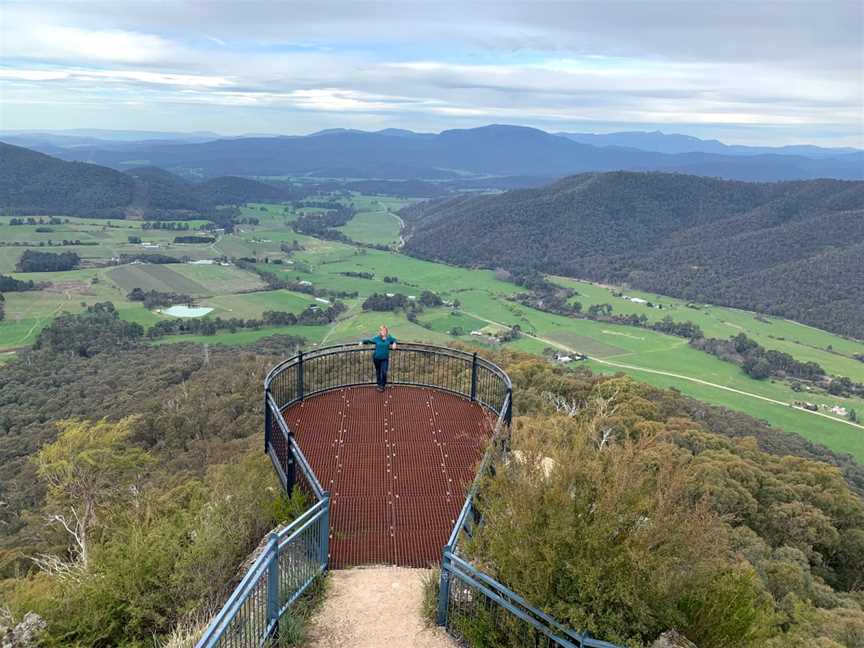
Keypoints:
pixel 745 72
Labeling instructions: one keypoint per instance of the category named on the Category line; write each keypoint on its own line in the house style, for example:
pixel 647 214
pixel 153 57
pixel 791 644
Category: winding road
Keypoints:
pixel 670 374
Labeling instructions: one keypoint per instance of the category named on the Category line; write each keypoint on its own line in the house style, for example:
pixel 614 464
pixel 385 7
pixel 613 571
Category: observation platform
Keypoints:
pixel 391 472
pixel 397 465
pixel 391 478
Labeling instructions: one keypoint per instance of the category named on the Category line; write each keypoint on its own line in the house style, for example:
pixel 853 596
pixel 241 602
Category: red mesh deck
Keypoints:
pixel 397 465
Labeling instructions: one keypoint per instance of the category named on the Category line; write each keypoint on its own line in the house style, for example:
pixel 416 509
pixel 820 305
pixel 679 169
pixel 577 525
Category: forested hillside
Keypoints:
pixel 790 249
pixel 33 183
pixel 152 458
pixel 166 443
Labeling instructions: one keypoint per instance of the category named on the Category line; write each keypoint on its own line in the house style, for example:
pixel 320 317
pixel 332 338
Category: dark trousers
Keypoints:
pixel 381 366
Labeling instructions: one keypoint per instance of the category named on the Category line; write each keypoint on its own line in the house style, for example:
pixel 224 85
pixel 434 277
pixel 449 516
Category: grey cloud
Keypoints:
pixel 717 30
pixel 681 62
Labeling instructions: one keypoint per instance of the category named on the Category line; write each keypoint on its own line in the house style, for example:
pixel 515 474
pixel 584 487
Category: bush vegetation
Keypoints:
pixel 136 525
pixel 620 514
pixel 655 512
pixel 11 284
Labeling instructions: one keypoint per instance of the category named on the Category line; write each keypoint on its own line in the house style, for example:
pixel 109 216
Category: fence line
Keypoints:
pixel 290 561
pixel 295 556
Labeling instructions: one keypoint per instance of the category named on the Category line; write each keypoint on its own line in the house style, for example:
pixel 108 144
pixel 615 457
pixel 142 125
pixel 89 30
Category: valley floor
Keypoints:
pixel 480 305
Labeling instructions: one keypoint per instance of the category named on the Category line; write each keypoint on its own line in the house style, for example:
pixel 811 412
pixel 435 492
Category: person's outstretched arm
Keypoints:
pixel 392 342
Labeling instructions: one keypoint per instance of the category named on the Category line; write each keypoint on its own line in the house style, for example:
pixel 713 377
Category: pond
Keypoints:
pixel 186 311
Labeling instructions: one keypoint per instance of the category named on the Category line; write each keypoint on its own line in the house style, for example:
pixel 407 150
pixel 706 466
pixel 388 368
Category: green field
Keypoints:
pixel 218 279
pixel 101 240
pixel 478 300
pixel 252 305
pixel 27 313
pixel 379 227
pixel 803 342
pixel 154 277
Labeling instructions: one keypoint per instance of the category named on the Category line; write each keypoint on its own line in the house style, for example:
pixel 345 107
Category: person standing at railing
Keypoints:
pixel 381 357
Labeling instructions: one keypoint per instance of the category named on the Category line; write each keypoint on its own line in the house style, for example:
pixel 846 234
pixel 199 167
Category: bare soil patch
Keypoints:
pixel 375 607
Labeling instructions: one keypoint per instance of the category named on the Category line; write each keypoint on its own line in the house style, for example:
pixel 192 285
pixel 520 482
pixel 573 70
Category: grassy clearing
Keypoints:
pixel 219 279
pixel 155 277
pixel 252 305
pixel 29 312
pixel 833 352
pixel 655 351
pixel 835 434
pixel 378 227
pixel 445 320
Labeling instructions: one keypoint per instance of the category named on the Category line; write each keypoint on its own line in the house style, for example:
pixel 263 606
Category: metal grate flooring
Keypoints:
pixel 397 465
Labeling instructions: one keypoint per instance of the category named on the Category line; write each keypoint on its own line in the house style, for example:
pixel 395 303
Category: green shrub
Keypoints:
pixel 608 537
pixel 160 558
pixel 431 588
pixel 731 610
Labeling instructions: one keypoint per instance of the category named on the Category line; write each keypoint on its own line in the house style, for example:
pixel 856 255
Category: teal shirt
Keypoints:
pixel 382 346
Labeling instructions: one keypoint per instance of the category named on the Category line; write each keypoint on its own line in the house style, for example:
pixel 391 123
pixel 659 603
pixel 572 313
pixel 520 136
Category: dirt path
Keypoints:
pixel 39 321
pixel 401 229
pixel 374 607
pixel 339 321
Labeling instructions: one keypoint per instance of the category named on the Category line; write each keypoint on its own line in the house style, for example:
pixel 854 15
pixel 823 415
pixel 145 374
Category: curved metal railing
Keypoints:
pixel 420 365
pixel 350 365
pixel 295 556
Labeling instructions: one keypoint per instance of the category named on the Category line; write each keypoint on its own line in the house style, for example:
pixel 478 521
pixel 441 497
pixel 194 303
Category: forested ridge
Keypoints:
pixel 34 183
pixel 33 180
pixel 492 150
pixel 792 249
pixel 771 532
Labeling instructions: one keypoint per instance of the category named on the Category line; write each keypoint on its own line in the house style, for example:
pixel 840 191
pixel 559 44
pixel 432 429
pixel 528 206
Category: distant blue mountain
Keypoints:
pixel 660 142
pixel 494 150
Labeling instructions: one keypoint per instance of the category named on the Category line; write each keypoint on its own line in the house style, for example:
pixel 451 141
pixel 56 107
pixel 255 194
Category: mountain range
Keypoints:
pixel 495 150
pixel 792 249
pixel 676 143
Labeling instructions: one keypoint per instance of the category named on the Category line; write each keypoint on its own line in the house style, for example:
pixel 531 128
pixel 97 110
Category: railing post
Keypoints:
pixel 290 469
pixel 474 377
pixel 444 588
pixel 508 415
pixel 325 531
pixel 267 421
pixel 273 581
pixel 300 376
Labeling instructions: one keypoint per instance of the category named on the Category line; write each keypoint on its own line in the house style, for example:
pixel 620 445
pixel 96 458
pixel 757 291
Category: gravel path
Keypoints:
pixel 374 607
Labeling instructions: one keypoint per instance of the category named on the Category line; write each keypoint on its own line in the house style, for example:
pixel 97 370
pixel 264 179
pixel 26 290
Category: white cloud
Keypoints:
pixel 428 63
pixel 62 43
pixel 132 76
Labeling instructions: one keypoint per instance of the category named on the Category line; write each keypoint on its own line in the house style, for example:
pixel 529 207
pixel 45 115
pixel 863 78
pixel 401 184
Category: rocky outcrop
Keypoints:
pixel 673 639
pixel 24 634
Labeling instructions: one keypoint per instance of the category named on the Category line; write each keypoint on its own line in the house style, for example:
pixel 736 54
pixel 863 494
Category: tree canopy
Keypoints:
pixel 790 248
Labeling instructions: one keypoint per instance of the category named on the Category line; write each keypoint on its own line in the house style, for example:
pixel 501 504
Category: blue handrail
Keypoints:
pixel 272 583
pixel 295 556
